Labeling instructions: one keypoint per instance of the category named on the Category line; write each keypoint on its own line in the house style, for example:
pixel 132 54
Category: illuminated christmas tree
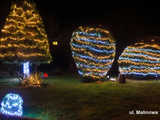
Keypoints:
pixel 23 37
pixel 93 50
pixel 141 60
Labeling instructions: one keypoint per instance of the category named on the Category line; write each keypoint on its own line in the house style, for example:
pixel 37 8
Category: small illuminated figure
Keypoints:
pixel 12 105
pixel 26 70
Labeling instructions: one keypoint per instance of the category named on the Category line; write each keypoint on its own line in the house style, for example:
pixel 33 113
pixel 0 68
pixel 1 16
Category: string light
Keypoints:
pixel 141 59
pixel 55 43
pixel 23 35
pixel 93 50
pixel 12 105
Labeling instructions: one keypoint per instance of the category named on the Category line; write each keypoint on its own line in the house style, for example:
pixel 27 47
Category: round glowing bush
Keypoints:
pixel 93 50
pixel 12 105
pixel 141 60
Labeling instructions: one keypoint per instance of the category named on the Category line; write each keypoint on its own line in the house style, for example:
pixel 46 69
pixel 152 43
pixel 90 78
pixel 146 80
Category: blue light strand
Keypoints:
pixel 141 67
pixel 90 34
pixel 142 49
pixel 91 73
pixel 91 58
pixel 93 67
pixel 96 42
pixel 138 60
pixel 93 49
pixel 141 74
pixel 140 54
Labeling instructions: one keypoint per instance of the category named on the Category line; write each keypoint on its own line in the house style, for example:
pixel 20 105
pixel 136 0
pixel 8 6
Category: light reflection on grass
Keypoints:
pixel 66 98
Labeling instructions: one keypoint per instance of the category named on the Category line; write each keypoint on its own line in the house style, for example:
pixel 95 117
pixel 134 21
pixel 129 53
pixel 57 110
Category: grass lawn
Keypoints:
pixel 66 98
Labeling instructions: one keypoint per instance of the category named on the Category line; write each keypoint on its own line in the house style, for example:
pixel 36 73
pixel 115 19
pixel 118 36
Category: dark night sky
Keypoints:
pixel 78 11
pixel 126 20
pixel 120 15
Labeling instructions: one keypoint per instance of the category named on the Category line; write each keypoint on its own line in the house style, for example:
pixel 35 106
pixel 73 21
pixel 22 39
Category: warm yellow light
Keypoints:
pixel 23 35
pixel 55 43
pixel 34 80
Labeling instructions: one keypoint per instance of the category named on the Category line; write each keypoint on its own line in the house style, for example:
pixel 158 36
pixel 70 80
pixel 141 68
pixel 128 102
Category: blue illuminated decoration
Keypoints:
pixel 148 50
pixel 91 58
pixel 94 41
pixel 26 70
pixel 93 50
pixel 12 105
pixel 89 34
pixel 141 60
pixel 141 55
pixel 92 66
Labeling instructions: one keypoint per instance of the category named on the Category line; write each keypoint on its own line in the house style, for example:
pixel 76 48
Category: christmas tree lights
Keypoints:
pixel 12 105
pixel 93 50
pixel 141 60
pixel 23 35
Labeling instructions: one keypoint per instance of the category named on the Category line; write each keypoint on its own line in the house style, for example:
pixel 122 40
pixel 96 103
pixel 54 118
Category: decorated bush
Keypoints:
pixel 93 50
pixel 141 60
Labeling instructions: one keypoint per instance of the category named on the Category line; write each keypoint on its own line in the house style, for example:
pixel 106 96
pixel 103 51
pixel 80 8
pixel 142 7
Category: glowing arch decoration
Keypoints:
pixel 141 60
pixel 93 50
pixel 12 105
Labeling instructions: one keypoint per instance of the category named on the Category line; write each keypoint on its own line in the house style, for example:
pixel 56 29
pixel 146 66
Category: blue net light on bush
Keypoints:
pixel 12 105
pixel 141 60
pixel 93 50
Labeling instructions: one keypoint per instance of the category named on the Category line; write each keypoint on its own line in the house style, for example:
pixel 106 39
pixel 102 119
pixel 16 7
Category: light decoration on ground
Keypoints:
pixel 141 60
pixel 93 50
pixel 26 70
pixel 23 36
pixel 34 80
pixel 12 105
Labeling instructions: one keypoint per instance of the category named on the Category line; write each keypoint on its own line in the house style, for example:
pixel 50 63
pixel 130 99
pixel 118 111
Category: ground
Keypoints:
pixel 66 98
